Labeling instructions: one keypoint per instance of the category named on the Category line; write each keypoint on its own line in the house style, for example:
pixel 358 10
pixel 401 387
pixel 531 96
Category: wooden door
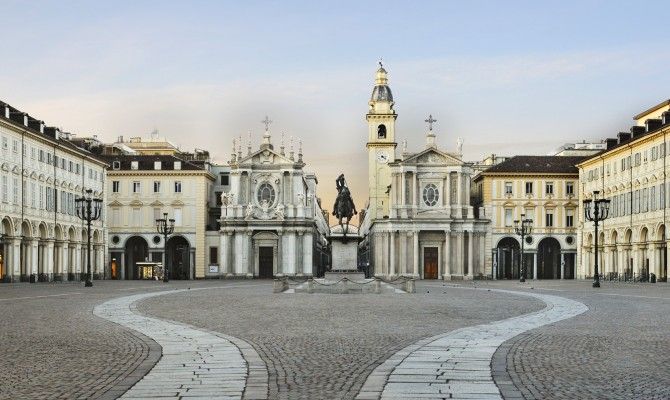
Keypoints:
pixel 265 262
pixel 430 263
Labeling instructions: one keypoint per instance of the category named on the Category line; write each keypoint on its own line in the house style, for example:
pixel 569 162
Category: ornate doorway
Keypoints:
pixel 178 260
pixel 430 263
pixel 137 250
pixel 549 259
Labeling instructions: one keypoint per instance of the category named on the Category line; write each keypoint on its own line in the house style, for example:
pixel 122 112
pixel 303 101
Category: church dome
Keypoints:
pixel 381 91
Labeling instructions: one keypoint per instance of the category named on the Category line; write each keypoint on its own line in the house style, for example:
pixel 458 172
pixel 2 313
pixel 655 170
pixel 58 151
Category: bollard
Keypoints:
pixel 310 285
pixel 377 285
pixel 279 285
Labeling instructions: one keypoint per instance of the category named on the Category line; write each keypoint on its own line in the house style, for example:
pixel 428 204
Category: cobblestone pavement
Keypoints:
pixel 457 365
pixel 53 347
pixel 324 346
pixel 194 363
pixel 619 349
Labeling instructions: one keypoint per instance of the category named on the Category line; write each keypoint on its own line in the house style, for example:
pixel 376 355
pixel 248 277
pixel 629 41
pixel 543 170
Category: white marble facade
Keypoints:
pixel 271 222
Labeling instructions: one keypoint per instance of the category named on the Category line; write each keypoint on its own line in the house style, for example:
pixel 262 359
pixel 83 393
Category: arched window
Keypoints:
pixel 266 194
pixel 431 195
pixel 381 131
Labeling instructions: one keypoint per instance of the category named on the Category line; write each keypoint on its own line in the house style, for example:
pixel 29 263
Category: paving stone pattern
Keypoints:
pixel 319 346
pixel 457 365
pixel 195 363
pixel 619 349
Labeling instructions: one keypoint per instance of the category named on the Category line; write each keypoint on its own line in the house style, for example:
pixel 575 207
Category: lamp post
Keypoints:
pixel 596 210
pixel 523 229
pixel 165 227
pixel 88 209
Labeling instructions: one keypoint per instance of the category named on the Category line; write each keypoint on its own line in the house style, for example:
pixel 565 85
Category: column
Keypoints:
pixel 122 267
pixel 459 195
pixel 403 253
pixel 482 253
pixel 414 190
pixel 77 259
pixel 16 255
pixel 392 269
pixel 280 253
pixel 471 250
pixel 291 252
pixel 100 262
pixel 446 274
pixel 535 265
pixel 416 254
pixel 562 266
pixel 224 243
pixel 49 260
pixel 307 257
pixel 34 259
pixel 459 254
pixel 248 254
pixel 237 254
pixel 402 189
pixel 651 253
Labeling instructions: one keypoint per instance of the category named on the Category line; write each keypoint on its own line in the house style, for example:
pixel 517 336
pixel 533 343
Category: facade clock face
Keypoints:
pixel 382 157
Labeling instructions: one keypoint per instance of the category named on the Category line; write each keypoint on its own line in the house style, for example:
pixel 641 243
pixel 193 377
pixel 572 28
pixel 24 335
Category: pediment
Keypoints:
pixel 115 203
pixel 177 203
pixel 5 167
pixel 266 156
pixel 136 203
pixel 433 156
pixel 156 203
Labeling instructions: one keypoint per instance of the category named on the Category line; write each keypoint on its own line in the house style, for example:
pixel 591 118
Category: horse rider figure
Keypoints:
pixel 344 207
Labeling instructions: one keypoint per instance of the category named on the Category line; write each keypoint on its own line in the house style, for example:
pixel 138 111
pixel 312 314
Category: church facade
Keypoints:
pixel 272 224
pixel 419 222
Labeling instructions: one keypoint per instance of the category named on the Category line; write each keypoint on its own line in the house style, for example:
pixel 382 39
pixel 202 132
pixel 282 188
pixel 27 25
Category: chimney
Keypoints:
pixel 636 131
pixel 610 143
pixel 7 111
pixel 652 124
pixel 623 137
pixel 41 126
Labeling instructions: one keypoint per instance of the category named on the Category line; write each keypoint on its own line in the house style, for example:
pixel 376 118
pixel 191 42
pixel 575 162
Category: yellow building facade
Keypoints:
pixel 543 189
pixel 632 174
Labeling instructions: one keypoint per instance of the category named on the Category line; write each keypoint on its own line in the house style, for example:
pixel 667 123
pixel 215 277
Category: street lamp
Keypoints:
pixel 165 227
pixel 88 209
pixel 596 210
pixel 523 229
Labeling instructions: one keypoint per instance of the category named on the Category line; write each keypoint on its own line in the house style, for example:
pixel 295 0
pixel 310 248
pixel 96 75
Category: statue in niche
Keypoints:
pixel 344 207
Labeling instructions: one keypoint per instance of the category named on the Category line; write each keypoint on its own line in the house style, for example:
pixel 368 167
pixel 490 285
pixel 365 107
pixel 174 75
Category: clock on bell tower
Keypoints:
pixel 381 144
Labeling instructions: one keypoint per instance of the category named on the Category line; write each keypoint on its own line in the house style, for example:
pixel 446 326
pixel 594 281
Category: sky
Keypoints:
pixel 514 77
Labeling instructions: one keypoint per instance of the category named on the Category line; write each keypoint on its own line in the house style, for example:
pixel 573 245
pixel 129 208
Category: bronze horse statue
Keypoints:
pixel 344 207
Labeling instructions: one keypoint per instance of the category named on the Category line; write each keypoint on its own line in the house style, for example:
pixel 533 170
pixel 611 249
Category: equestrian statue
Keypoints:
pixel 344 207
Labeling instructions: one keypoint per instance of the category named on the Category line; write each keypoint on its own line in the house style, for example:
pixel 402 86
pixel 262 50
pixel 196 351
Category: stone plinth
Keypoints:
pixel 344 254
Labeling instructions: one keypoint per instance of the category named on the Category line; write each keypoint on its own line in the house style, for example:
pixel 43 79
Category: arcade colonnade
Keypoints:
pixel 37 251
pixel 627 253
pixel 545 258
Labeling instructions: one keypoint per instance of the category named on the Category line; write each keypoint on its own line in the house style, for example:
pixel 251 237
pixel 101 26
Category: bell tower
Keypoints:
pixel 381 144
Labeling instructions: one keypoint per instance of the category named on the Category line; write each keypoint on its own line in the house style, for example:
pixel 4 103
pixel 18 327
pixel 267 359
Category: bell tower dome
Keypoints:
pixel 381 143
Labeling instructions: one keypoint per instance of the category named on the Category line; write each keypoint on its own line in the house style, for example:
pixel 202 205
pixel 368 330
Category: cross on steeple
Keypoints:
pixel 267 123
pixel 430 122
pixel 381 65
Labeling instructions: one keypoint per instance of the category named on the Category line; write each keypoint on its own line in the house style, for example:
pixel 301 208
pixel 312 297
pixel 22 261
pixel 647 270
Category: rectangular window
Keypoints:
pixel 508 188
pixel 137 188
pixel 549 219
pixel 645 200
pixel 157 213
pixel 652 198
pixel 33 194
pixel 15 190
pixel 549 188
pixel 137 216
pixel 661 196
pixel 177 186
pixel 32 153
pixel 69 166
pixel 49 158
pixel 157 165
pixel 217 198
pixel 77 169
pixel 41 197
pixel 116 165
pixel 157 186
pixel 569 218
pixel 569 188
pixel 177 165
pixel 116 217
pixel 213 255
pixel 115 186
pixel 5 146
pixel 529 187
pixel 134 165
pixel 638 159
pixel 509 217
pixel 15 146
pixel 177 217
pixel 225 179
pixel 5 189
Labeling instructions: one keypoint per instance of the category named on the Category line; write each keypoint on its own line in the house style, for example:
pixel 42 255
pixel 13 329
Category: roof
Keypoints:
pixel 538 164
pixel 146 163
pixel 38 128
pixel 652 109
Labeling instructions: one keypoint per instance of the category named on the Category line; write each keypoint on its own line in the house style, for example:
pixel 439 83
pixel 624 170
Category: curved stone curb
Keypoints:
pixel 195 362
pixel 457 364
